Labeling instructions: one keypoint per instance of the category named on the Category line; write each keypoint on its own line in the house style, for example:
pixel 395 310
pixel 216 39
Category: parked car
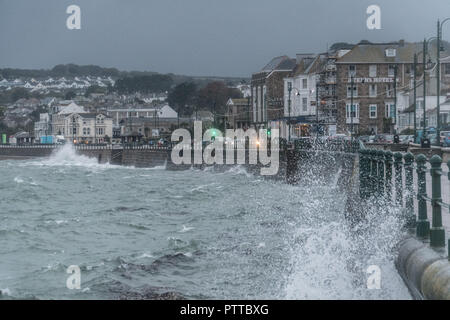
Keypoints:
pixel 433 138
pixel 406 139
pixel 364 139
pixel 384 138
pixel 410 139
pixel 443 135
pixel 446 141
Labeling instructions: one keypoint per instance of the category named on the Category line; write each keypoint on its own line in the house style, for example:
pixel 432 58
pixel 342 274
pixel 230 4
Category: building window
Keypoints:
pixel 373 90
pixel 372 71
pixel 389 111
pixel 354 113
pixel 373 111
pixel 391 52
pixel 305 104
pixel 447 69
pixel 352 71
pixel 389 90
pixel 304 83
pixel 349 91
pixel 84 131
pixel 391 70
pixel 88 131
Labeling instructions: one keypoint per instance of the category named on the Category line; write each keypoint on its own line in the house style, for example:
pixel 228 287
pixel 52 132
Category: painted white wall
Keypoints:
pixel 298 94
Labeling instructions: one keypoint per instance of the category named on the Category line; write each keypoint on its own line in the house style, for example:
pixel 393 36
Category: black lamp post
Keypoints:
pixel 289 110
pixel 426 66
pixel 438 77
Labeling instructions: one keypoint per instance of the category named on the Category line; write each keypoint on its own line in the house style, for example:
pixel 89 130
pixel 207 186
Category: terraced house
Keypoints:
pixel 382 78
pixel 267 88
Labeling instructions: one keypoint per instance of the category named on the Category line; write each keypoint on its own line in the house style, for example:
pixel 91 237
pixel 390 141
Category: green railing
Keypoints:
pixel 390 177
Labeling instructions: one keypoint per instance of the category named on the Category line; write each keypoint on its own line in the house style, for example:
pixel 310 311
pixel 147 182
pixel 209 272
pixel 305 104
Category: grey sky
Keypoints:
pixel 199 37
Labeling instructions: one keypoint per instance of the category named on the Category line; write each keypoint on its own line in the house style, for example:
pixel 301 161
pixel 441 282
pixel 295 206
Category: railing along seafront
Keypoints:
pixel 391 176
pixel 131 146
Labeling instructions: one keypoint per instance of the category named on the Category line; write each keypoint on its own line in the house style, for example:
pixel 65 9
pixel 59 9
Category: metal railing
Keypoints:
pixel 88 146
pixel 383 174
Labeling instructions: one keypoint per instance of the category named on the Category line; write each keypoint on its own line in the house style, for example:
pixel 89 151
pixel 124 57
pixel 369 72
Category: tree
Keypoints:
pixel 94 89
pixel 144 84
pixel 70 95
pixel 181 98
pixel 19 93
pixel 341 46
pixel 214 97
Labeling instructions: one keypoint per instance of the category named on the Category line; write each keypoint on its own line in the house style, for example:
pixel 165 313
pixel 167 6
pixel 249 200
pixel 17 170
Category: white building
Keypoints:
pixel 165 112
pixel 88 128
pixel 302 96
pixel 303 84
pixel 42 127
pixel 444 115
pixel 60 112
pixel 406 115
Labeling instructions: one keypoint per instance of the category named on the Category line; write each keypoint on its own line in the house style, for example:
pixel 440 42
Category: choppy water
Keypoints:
pixel 143 233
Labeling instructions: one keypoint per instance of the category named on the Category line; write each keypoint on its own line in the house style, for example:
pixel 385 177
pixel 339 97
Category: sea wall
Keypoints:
pixel 102 154
pixel 294 165
pixel 425 271
pixel 19 151
pixel 144 158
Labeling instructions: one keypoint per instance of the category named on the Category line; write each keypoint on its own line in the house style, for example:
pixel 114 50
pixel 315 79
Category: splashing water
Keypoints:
pixel 197 233
pixel 67 156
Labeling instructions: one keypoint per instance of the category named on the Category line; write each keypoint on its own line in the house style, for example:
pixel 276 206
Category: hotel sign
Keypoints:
pixel 372 80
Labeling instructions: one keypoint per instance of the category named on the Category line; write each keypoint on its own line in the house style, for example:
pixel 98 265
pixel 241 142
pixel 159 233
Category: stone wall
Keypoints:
pixel 425 272
pixel 145 158
pixel 26 151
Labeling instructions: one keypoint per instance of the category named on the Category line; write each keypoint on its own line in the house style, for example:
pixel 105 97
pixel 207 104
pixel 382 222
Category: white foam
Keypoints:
pixel 186 229
pixel 5 292
pixel 67 156
pixel 330 261
pixel 145 255
pixel 18 180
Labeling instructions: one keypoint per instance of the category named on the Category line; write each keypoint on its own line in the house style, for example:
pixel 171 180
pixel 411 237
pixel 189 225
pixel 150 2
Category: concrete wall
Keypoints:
pixel 25 152
pixel 102 155
pixel 145 158
pixel 425 272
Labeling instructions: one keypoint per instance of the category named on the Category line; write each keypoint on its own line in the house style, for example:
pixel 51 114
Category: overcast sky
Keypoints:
pixel 199 37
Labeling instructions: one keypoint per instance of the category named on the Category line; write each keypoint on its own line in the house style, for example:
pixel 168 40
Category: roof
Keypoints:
pixel 23 135
pixel 375 53
pixel 91 115
pixel 238 102
pixel 307 64
pixel 279 63
pixel 72 108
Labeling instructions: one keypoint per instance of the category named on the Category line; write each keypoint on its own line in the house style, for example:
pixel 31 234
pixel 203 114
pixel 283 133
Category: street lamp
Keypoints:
pixel 426 66
pixel 289 110
pixel 352 85
pixel 438 76
pixel 415 96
